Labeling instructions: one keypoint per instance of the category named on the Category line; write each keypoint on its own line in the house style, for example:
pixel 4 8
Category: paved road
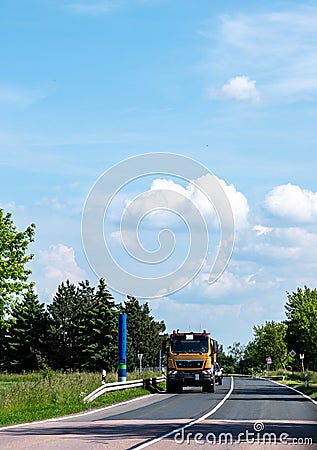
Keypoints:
pixel 243 413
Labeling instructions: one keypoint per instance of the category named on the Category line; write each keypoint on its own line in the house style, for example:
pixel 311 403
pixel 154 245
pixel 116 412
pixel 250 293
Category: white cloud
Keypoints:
pixel 302 243
pixel 226 322
pixel 273 250
pixel 92 8
pixel 226 284
pixel 12 207
pixel 157 209
pixel 161 184
pixel 238 201
pixel 57 264
pixel 241 88
pixel 52 203
pixel 239 205
pixel 261 230
pixel 281 46
pixel 292 202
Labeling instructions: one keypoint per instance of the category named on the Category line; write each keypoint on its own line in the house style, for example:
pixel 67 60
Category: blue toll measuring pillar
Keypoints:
pixel 122 347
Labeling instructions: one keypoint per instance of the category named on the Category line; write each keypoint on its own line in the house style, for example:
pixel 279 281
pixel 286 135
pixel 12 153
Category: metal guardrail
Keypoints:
pixel 108 387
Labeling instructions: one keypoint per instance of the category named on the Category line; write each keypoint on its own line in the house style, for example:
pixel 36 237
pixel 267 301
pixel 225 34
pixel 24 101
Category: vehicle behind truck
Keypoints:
pixel 191 361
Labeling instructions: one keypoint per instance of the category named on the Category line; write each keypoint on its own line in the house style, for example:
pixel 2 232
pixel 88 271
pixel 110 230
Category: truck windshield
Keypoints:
pixel 199 344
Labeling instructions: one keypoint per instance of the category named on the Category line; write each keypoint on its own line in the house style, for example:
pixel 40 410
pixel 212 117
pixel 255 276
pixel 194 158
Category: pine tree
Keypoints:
pixel 83 329
pixel 65 315
pixel 143 333
pixel 98 332
pixel 27 344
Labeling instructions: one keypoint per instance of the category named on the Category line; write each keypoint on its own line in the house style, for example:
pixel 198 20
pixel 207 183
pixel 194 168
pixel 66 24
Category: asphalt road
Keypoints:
pixel 243 413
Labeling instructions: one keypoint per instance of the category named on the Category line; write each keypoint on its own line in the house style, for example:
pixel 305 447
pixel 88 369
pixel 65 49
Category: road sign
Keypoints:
pixel 140 355
pixel 292 353
pixel 301 356
pixel 269 360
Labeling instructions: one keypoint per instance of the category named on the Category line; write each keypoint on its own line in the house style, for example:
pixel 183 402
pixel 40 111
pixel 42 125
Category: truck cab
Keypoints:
pixel 191 361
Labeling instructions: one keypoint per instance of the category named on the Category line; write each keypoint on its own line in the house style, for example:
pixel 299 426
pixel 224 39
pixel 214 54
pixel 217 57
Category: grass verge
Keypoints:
pixel 296 380
pixel 310 390
pixel 299 384
pixel 28 398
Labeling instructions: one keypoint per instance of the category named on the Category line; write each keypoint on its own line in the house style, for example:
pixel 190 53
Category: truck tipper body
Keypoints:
pixel 191 361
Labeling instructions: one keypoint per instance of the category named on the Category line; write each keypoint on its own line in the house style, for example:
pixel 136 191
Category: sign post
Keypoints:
pixel 268 362
pixel 292 353
pixel 140 355
pixel 306 380
pixel 160 360
pixel 301 357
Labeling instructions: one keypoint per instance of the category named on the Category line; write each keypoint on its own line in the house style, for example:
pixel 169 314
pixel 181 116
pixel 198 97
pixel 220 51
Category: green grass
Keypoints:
pixel 6 384
pixel 310 390
pixel 38 396
pixel 296 380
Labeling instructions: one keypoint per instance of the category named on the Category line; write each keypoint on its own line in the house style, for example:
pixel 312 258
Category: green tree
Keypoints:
pixel 144 333
pixel 83 329
pixel 252 361
pixel 236 351
pixel 13 258
pixel 226 362
pixel 27 344
pixel 66 312
pixel 269 340
pixel 98 329
pixel 301 313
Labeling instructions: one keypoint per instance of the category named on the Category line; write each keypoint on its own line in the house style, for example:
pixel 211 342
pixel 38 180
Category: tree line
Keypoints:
pixel 77 331
pixel 297 333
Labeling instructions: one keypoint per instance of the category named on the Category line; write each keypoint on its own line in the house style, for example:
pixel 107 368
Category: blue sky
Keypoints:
pixel 86 84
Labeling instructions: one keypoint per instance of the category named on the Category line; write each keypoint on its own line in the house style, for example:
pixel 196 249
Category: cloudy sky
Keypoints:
pixel 84 85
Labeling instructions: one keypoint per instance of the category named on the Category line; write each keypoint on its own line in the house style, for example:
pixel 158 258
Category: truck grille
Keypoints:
pixel 189 364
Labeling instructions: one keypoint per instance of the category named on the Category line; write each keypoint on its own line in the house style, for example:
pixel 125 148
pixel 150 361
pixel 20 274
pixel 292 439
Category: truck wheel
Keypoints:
pixel 173 388
pixel 170 387
pixel 179 388
pixel 208 387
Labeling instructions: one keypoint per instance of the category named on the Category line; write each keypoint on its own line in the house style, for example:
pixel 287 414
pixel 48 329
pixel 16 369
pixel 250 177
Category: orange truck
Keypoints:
pixel 191 361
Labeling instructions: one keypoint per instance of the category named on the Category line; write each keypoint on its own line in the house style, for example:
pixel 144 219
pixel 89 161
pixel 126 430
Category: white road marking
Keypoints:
pixel 269 421
pixel 293 389
pixel 194 422
pixel 73 416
